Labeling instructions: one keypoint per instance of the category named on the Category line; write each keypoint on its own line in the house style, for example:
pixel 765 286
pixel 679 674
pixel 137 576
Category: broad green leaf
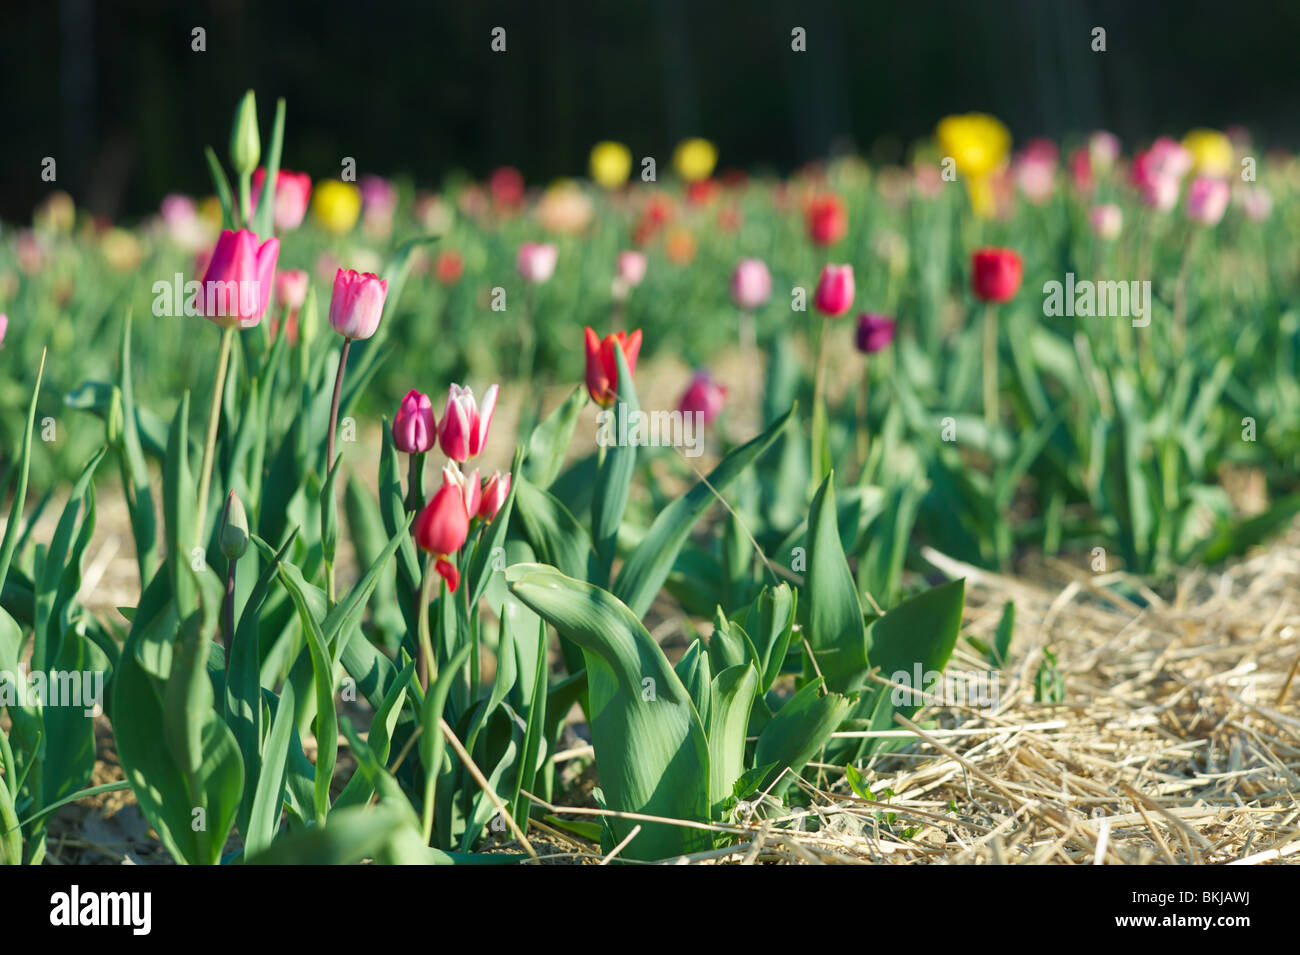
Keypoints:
pixel 549 443
pixel 833 616
pixel 732 696
pixel 800 728
pixel 614 475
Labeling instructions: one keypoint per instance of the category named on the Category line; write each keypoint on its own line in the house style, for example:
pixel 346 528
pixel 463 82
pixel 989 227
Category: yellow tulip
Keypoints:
pixel 695 158
pixel 336 205
pixel 1211 152
pixel 611 163
pixel 977 142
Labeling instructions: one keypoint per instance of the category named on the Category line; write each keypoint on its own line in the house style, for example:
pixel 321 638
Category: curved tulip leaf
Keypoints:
pixel 614 475
pixel 648 566
pixel 13 525
pixel 651 750
pixel 833 615
pixel 554 533
pixel 918 635
pixel 800 728
pixel 732 696
pixel 549 443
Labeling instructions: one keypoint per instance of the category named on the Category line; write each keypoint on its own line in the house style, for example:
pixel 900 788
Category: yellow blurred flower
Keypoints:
pixel 695 158
pixel 210 211
pixel 336 205
pixel 57 213
pixel 564 208
pixel 977 142
pixel 1211 152
pixel 121 249
pixel 611 163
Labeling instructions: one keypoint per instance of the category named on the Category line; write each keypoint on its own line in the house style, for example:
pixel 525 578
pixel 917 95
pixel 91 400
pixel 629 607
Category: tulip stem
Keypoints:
pixel 428 669
pixel 334 404
pixel 990 368
pixel 819 455
pixel 414 481
pixel 864 415
pixel 228 612
pixel 214 417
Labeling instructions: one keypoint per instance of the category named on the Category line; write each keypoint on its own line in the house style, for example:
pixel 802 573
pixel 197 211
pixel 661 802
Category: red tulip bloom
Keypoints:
pixel 449 267
pixel 495 490
pixel 465 423
pixel 827 219
pixel 507 187
pixel 996 274
pixel 834 295
pixel 441 529
pixel 602 363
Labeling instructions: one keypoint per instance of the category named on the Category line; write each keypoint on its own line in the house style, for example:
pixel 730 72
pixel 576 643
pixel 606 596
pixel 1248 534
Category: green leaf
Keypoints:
pixel 263 218
pixel 614 476
pixel 554 533
pixel 833 615
pixel 268 797
pixel 549 443
pixel 15 521
pixel 800 728
pixel 733 693
pixel 651 750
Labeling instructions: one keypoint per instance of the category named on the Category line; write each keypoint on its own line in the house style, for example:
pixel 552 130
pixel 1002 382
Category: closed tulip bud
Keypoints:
pixel 602 363
pixel 495 491
pixel 827 220
pixel 357 303
pixel 245 144
pixel 536 261
pixel 996 274
pixel 751 284
pixel 1107 221
pixel 234 528
pixel 415 430
pixel 237 284
pixel 834 295
pixel 1207 201
pixel 703 396
pixel 292 192
pixel 441 529
pixel 464 429
pixel 875 333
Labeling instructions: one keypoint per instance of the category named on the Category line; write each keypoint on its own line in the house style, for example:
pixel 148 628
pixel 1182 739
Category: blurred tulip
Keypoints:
pixel 1035 167
pixel 415 430
pixel 536 261
pixel 239 278
pixel 495 491
pixel 564 208
pixel 4 326
pixel 1210 151
pixel 631 267
pixel 751 284
pixel 1256 203
pixel 441 529
pixel 292 192
pixel 378 202
pixel 1107 221
pixel 506 184
pixel 827 219
pixel 434 213
pixel 1081 170
pixel 834 295
pixel 1103 150
pixel 996 274
pixel 291 287
pixel 680 246
pixel 694 159
pixel 122 250
pixel 1207 200
pixel 464 429
pixel 336 206
pixel 703 396
pixel 875 333
pixel 978 143
pixel 610 163
pixel 449 267
pixel 602 363
pixel 357 303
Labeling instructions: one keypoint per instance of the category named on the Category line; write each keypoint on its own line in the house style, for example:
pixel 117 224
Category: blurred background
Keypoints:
pixel 115 92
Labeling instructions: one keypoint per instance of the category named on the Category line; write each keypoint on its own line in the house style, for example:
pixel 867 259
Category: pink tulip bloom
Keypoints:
pixel 1103 150
pixel 291 287
pixel 834 295
pixel 415 430
pixel 1207 200
pixel 1256 203
pixel 495 491
pixel 464 428
pixel 1107 220
pixel 703 396
pixel 631 268
pixel 751 284
pixel 536 261
pixel 4 326
pixel 237 284
pixel 1035 168
pixel 292 192
pixel 471 489
pixel 357 303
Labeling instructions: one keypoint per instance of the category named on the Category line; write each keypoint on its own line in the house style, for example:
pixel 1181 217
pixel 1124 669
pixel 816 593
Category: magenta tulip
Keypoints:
pixel 703 396
pixel 357 303
pixel 415 430
pixel 834 295
pixel 240 275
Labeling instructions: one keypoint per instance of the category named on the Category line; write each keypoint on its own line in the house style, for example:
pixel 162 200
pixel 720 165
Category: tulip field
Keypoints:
pixel 666 512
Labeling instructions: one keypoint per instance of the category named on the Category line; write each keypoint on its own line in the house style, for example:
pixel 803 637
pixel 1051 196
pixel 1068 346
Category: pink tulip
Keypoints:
pixel 415 430
pixel 751 284
pixel 703 396
pixel 1107 220
pixel 536 261
pixel 631 268
pixel 1035 168
pixel 292 192
pixel 1256 203
pixel 237 285
pixel 834 295
pixel 471 490
pixel 495 491
pixel 1103 150
pixel 464 428
pixel 1207 200
pixel 875 332
pixel 4 326
pixel 357 303
pixel 291 287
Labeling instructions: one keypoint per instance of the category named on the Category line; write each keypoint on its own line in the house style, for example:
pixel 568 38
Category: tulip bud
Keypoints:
pixel 495 491
pixel 703 396
pixel 4 326
pixel 536 261
pixel 234 528
pixel 415 430
pixel 602 363
pixel 441 529
pixel 245 144
pixel 464 428
pixel 357 303
pixel 1207 200
pixel 834 295
pixel 875 332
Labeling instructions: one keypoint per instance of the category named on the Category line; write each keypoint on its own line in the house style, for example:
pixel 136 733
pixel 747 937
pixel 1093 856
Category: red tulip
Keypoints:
pixel 237 284
pixel 449 267
pixel 441 529
pixel 471 490
pixel 415 430
pixel 827 219
pixel 703 396
pixel 357 303
pixel 464 428
pixel 495 491
pixel 602 363
pixel 996 274
pixel 834 295
pixel 507 186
